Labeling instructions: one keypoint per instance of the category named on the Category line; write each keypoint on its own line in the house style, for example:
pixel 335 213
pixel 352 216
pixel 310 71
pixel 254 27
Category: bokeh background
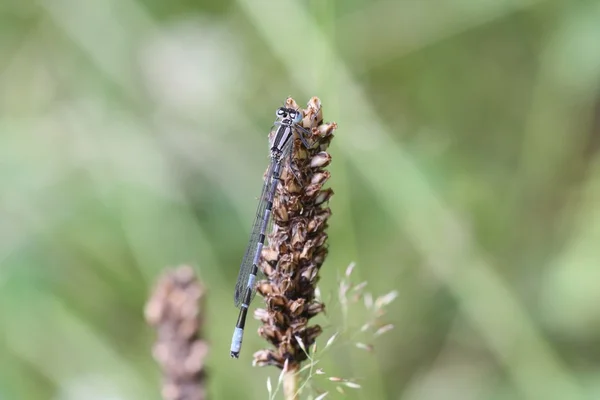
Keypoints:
pixel 133 136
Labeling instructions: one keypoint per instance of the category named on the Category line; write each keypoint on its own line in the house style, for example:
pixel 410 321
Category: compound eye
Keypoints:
pixel 280 112
pixel 296 116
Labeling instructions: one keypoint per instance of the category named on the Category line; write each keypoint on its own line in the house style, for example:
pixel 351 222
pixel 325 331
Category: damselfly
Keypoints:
pixel 287 123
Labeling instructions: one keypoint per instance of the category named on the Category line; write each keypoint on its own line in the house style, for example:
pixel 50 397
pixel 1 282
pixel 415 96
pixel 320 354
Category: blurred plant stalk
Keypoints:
pixel 175 311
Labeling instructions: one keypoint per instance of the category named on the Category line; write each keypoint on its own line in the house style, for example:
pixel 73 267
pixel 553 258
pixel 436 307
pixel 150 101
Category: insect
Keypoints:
pixel 287 123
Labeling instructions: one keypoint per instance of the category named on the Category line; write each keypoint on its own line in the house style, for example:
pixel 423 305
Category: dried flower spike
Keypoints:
pixel 174 310
pixel 297 247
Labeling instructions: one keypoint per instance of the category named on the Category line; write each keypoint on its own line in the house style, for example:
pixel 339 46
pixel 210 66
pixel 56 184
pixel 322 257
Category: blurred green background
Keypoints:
pixel 133 136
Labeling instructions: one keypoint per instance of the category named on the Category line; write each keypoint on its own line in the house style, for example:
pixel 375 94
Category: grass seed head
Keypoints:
pixel 297 246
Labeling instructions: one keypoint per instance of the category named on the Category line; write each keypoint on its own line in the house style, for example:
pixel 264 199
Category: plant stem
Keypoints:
pixel 290 382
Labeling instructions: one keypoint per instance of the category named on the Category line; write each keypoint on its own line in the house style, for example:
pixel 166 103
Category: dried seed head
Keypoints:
pixel 261 314
pixel 297 245
pixel 319 160
pixel 174 309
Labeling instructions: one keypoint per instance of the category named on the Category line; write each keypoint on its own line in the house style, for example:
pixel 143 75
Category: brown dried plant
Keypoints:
pixel 175 311
pixel 291 262
pixel 296 251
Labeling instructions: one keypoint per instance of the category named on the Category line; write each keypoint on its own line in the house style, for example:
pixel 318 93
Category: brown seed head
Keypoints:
pixel 297 246
pixel 174 310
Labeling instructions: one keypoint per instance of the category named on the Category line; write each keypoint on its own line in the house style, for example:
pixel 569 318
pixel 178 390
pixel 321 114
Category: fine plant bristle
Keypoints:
pixel 175 311
pixel 349 336
pixel 297 247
